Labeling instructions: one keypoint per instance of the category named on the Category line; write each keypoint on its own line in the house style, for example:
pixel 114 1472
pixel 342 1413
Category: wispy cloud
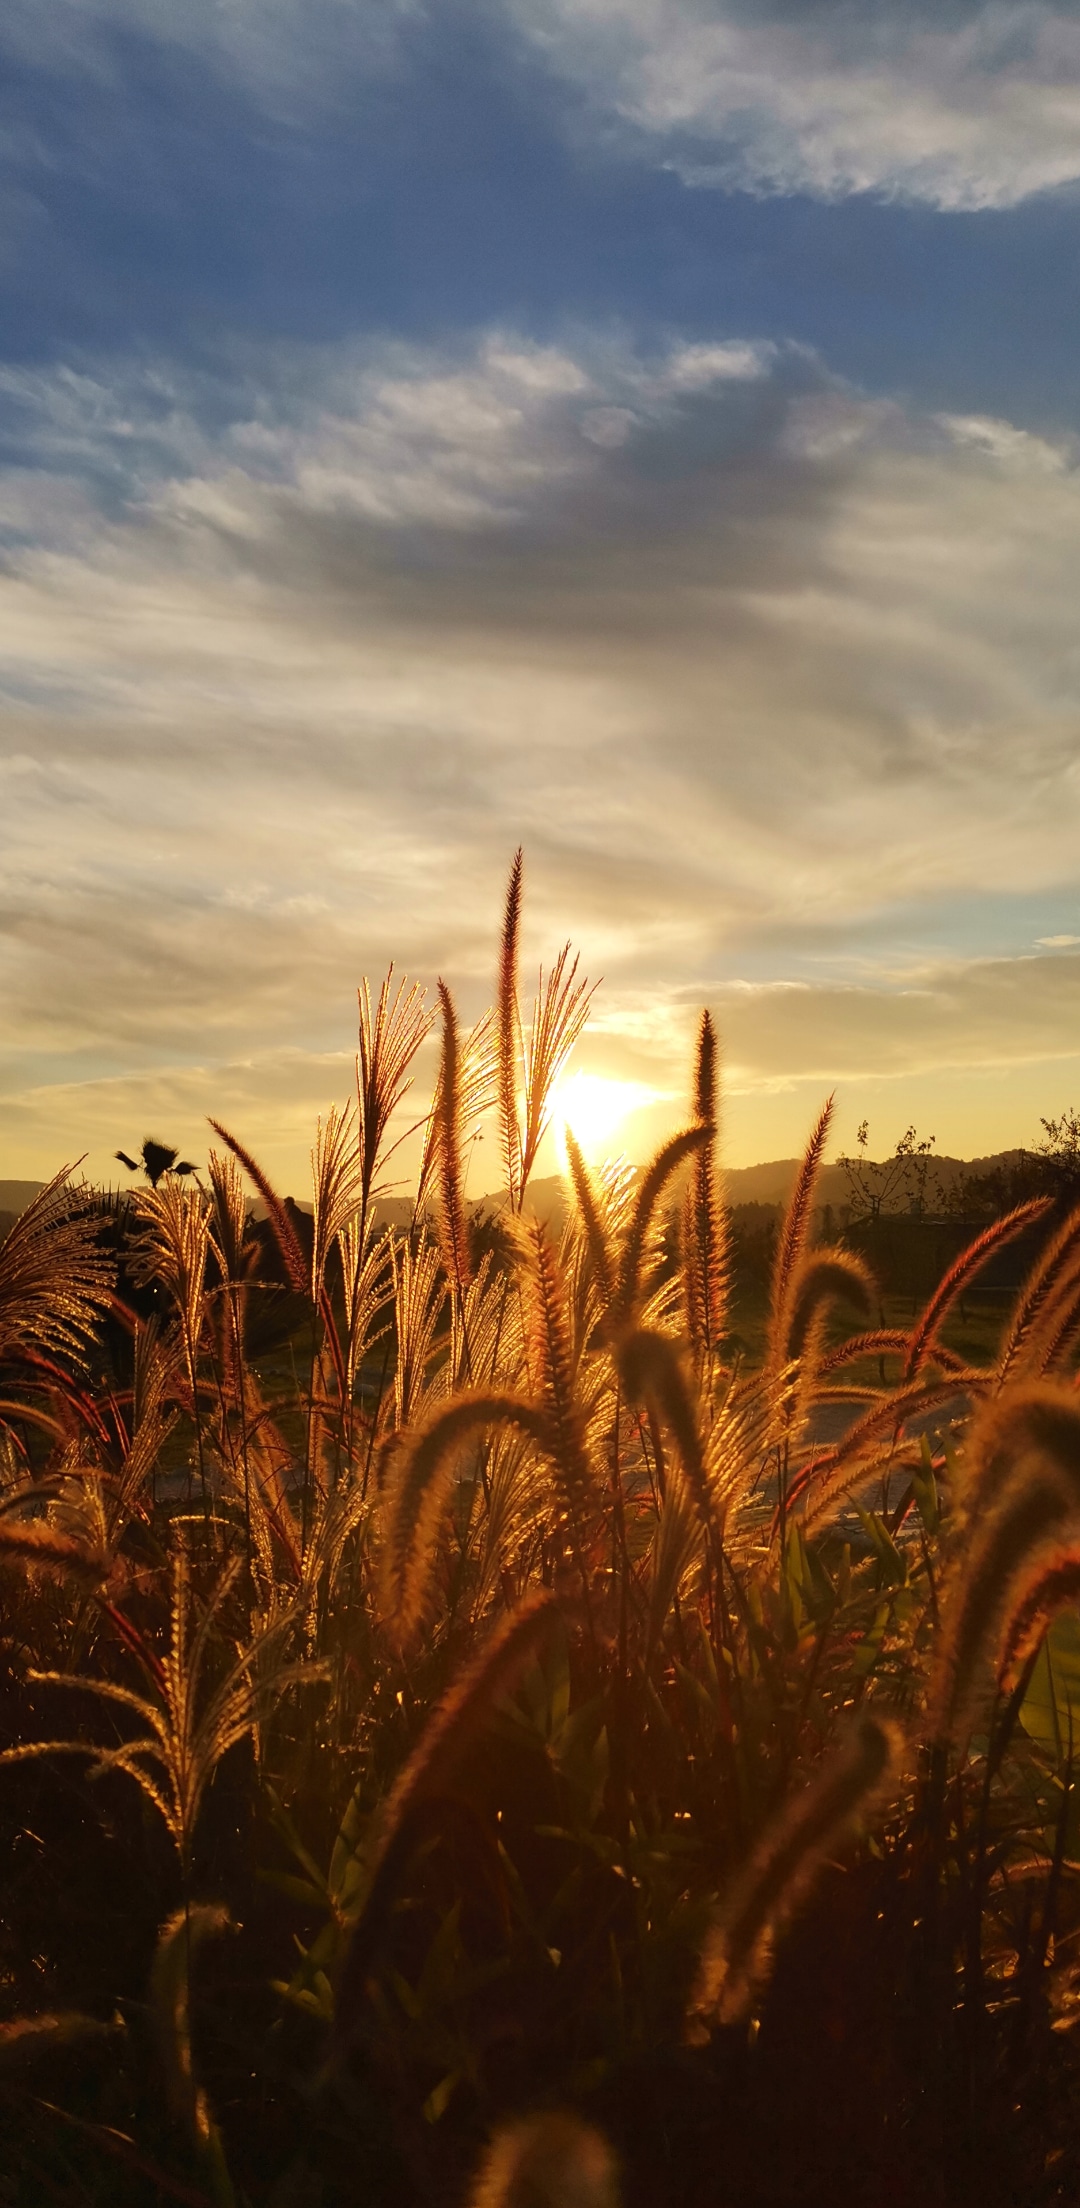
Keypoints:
pixel 966 105
pixel 288 53
pixel 294 654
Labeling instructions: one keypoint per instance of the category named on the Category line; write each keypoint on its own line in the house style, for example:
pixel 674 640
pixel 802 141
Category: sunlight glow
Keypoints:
pixel 594 1108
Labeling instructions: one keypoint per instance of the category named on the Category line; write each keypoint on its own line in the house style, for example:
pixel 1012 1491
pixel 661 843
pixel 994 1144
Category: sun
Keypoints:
pixel 594 1108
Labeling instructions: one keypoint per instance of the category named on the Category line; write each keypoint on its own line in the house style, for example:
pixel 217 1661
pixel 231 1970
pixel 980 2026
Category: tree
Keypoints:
pixel 896 1184
pixel 155 1159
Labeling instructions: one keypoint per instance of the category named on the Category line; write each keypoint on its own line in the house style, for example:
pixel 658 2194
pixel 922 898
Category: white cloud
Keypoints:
pixel 975 104
pixel 964 104
pixel 282 696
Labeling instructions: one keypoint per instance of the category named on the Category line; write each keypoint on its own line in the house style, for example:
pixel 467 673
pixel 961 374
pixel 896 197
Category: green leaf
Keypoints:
pixel 892 1566
pixel 298 1889
pixel 1050 1712
pixel 439 2100
pixel 924 1488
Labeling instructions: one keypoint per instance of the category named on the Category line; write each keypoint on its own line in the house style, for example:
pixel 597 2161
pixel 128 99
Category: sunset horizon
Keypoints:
pixel 645 433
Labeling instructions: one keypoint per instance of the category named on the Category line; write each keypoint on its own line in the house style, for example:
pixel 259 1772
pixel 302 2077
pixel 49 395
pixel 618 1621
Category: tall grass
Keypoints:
pixel 453 1611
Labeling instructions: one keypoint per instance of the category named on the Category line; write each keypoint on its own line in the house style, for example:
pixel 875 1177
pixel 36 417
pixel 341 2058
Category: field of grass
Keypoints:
pixel 503 1716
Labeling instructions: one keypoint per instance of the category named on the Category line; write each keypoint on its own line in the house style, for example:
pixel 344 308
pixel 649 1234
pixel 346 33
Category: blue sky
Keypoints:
pixel 642 429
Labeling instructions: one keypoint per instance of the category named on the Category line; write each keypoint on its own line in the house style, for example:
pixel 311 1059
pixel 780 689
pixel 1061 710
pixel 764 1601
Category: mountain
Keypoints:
pixel 15 1195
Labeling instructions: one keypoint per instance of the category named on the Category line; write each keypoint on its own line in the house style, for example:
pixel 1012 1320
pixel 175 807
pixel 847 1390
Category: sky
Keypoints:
pixel 647 431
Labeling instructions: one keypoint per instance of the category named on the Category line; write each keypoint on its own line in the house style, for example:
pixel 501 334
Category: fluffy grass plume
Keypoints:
pixel 450 1729
pixel 924 1339
pixel 547 2161
pixel 55 1282
pixel 824 1277
pixel 812 1825
pixel 508 1034
pixel 549 1342
pixel 1052 1278
pixel 1048 1584
pixel 654 1181
pixel 1023 1488
pixel 560 1011
pixel 705 1237
pixel 170 2005
pixel 450 1205
pixel 292 1256
pixel 795 1237
pixel 653 1373
pixel 418 1495
pixel 390 1036
pixel 592 1222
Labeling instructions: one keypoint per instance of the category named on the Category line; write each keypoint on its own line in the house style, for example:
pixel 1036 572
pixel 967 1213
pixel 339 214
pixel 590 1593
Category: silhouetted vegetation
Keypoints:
pixel 498 1713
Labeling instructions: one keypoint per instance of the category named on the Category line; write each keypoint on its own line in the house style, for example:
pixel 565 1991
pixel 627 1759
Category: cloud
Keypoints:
pixel 963 105
pixel 290 54
pixel 970 105
pixel 294 652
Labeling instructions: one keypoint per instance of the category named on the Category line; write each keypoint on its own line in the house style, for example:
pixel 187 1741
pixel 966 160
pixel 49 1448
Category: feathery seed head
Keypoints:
pixel 808 1829
pixel 552 2161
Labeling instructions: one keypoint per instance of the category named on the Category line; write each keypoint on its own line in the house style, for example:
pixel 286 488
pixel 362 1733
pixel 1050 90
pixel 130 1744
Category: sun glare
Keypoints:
pixel 594 1108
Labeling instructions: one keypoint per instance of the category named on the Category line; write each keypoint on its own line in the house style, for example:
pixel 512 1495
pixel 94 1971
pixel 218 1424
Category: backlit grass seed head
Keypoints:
pixel 652 1372
pixel 553 1373
pixel 1038 1420
pixel 1049 1584
pixel 706 1246
pixel 419 1492
pixel 1023 1488
pixel 1053 1280
pixel 560 1010
pixel 811 1826
pixel 632 1282
pixel 55 1282
pixel 391 1033
pixel 450 1206
pixel 292 1256
pixel 550 2161
pixel 35 1542
pixel 430 1770
pixel 795 1238
pixel 924 1344
pixel 592 1223
pixel 825 1277
pixel 508 1035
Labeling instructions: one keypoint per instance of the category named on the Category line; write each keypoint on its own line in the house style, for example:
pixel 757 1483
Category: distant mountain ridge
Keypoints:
pixel 15 1195
pixel 770 1183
